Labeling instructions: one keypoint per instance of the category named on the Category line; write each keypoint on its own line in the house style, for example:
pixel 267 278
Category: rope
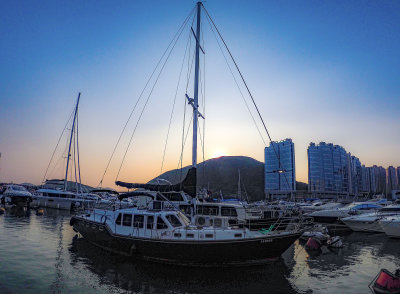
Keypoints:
pixel 141 94
pixel 248 90
pixel 55 149
pixel 173 105
pixel 148 98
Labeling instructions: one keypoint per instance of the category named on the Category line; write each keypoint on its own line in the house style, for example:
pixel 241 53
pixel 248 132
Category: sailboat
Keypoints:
pixel 55 193
pixel 168 236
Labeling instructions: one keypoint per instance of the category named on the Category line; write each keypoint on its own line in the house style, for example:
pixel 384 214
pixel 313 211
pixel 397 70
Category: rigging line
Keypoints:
pixel 77 147
pixel 148 98
pixel 74 151
pixel 248 90
pixel 190 64
pixel 173 106
pixel 237 85
pixel 55 149
pixel 141 94
pixel 204 103
pixel 183 146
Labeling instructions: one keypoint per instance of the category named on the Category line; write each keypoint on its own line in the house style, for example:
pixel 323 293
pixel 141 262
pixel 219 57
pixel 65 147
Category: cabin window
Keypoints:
pixel 209 235
pixel 150 221
pixel 161 224
pixel 138 221
pixel 228 211
pixel 127 220
pixel 189 235
pixel 173 220
pixel 177 235
pixel 238 235
pixel 119 218
pixel 207 210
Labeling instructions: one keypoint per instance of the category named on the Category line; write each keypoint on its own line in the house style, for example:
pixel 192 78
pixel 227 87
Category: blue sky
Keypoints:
pixel 319 71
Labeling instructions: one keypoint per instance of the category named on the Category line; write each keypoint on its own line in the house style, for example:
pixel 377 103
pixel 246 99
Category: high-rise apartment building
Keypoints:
pixel 391 179
pixel 398 177
pixel 328 169
pixel 280 175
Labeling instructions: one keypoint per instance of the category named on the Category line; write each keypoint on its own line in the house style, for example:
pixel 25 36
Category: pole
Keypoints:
pixel 196 89
pixel 70 141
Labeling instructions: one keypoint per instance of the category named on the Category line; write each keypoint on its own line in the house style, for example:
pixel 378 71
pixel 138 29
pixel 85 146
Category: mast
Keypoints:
pixel 70 141
pixel 196 89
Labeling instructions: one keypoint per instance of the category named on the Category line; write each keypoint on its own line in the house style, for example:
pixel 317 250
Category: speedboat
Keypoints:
pixel 369 222
pixel 391 226
pixel 16 195
pixel 334 215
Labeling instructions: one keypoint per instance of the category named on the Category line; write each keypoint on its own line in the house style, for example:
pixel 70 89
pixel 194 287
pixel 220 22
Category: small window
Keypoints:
pixel 127 220
pixel 138 221
pixel 238 235
pixel 150 222
pixel 119 218
pixel 207 210
pixel 209 235
pixel 228 211
pixel 161 225
pixel 177 235
pixel 173 220
pixel 189 235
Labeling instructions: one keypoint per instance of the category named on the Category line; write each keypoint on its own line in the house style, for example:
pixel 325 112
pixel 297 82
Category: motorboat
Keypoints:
pixel 334 215
pixel 369 222
pixel 168 236
pixel 15 195
pixel 391 226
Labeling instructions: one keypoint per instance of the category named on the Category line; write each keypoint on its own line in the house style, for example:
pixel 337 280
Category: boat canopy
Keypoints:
pixel 188 185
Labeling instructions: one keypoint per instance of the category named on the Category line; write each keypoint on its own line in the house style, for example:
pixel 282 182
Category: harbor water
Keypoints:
pixel 42 254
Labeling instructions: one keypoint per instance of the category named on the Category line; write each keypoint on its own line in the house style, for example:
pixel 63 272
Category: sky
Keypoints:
pixel 318 71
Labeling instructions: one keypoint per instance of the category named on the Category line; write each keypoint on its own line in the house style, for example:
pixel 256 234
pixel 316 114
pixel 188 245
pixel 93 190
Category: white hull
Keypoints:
pixel 363 226
pixel 54 202
pixel 391 227
pixel 63 203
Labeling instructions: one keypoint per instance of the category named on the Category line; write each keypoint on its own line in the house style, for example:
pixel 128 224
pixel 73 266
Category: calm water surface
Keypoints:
pixel 39 254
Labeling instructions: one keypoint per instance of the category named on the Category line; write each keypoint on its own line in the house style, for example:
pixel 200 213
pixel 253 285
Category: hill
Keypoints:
pixel 221 175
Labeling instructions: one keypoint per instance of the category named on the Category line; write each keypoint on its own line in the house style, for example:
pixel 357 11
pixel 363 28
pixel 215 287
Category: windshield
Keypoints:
pixel 18 188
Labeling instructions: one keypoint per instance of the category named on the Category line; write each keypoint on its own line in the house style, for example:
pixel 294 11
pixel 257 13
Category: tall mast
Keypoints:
pixel 196 89
pixel 70 141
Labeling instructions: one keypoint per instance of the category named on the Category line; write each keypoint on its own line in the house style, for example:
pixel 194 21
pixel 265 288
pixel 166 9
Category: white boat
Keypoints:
pixel 334 215
pixel 16 195
pixel 67 200
pixel 391 226
pixel 318 206
pixel 168 236
pixel 55 193
pixel 369 222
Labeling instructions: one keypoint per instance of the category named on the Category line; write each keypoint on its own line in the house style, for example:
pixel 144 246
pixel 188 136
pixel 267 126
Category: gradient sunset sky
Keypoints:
pixel 319 71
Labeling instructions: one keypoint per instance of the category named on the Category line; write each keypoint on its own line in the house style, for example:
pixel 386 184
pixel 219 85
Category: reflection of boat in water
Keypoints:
pixel 139 276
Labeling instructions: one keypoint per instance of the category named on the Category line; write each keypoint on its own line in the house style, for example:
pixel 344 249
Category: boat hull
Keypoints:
pixel 391 228
pixel 363 226
pixel 187 253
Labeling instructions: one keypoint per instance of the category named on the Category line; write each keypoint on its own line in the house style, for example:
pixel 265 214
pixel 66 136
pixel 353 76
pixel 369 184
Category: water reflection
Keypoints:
pixel 145 277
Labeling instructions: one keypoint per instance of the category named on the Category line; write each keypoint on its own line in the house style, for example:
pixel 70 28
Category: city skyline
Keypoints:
pixel 319 72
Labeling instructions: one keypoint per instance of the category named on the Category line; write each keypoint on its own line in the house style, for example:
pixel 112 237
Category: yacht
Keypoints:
pixel 369 222
pixel 166 235
pixel 334 215
pixel 391 226
pixel 15 195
